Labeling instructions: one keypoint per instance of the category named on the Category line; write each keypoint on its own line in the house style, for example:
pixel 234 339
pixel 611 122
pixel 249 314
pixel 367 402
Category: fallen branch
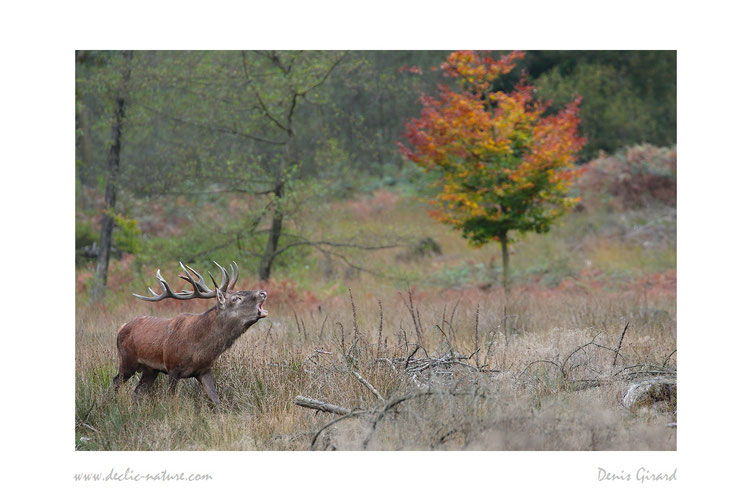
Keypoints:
pixel 415 366
pixel 379 412
pixel 321 406
pixel 643 369
pixel 581 347
pixel 540 362
pixel 391 404
pixel 391 364
pixel 335 421
pixel 368 385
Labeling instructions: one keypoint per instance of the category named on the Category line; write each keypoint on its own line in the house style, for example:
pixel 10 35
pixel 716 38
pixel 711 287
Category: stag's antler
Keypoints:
pixel 200 289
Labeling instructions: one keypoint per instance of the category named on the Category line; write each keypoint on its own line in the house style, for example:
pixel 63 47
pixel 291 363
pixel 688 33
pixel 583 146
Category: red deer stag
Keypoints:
pixel 188 344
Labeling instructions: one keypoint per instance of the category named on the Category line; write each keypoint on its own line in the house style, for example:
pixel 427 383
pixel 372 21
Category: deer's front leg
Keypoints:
pixel 207 379
pixel 173 378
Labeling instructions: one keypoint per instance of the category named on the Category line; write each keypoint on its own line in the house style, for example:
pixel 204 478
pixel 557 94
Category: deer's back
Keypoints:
pixel 141 341
pixel 189 348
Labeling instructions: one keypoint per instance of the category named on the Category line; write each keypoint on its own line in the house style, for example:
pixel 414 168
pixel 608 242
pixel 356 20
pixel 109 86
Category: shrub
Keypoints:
pixel 127 235
pixel 636 177
pixel 423 248
pixel 85 235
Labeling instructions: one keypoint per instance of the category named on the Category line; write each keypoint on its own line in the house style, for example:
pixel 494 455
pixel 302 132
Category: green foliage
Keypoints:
pixel 190 109
pixel 646 78
pixel 193 246
pixel 613 113
pixel 550 272
pixel 85 234
pixel 194 119
pixel 99 76
pixel 127 235
pixel 463 274
pixel 336 164
pixel 206 238
pixel 546 271
pixel 426 247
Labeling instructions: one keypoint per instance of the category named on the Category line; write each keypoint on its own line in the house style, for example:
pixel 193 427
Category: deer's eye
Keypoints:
pixel 237 299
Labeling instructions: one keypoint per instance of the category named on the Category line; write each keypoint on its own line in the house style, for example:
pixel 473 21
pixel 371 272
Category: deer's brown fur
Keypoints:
pixel 188 344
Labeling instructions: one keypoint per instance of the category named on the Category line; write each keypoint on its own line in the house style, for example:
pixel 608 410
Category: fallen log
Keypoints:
pixel 321 406
pixel 650 391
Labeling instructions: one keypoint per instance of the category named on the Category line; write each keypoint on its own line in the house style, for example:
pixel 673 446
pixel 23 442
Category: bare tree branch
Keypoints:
pixel 326 75
pixel 368 385
pixel 616 356
pixel 264 108
pixel 217 128
pixel 327 243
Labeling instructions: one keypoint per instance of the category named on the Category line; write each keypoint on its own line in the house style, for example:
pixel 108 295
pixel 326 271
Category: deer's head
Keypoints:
pixel 244 307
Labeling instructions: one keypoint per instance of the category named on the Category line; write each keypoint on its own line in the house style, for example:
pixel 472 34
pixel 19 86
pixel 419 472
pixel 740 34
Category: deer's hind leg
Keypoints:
pixel 125 372
pixel 147 379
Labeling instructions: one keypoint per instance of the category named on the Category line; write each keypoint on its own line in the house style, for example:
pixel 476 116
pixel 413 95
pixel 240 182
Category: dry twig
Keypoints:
pixel 619 347
pixel 368 385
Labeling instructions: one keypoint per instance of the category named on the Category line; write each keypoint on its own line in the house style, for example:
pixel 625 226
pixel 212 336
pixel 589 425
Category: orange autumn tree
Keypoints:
pixel 506 165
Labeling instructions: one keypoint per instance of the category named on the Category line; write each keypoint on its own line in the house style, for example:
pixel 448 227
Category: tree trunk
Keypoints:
pixel 265 267
pixel 113 174
pixel 83 145
pixel 504 261
pixel 275 231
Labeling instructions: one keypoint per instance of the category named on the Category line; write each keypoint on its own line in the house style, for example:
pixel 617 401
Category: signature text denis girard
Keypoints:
pixel 640 475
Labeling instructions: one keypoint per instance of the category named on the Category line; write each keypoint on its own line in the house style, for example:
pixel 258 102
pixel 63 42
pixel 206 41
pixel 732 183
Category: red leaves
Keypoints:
pixel 415 70
pixel 494 148
pixel 477 72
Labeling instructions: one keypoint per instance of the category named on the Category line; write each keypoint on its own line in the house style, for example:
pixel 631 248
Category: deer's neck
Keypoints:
pixel 221 332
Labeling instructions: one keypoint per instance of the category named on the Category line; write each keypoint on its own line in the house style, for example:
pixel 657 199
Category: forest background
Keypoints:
pixel 228 155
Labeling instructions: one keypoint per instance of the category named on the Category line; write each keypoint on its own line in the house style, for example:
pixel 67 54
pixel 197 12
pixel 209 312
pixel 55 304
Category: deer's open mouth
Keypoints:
pixel 261 311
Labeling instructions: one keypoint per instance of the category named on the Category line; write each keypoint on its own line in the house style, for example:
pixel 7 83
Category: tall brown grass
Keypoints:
pixel 526 402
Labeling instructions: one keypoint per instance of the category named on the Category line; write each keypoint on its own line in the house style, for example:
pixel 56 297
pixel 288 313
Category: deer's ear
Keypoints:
pixel 221 299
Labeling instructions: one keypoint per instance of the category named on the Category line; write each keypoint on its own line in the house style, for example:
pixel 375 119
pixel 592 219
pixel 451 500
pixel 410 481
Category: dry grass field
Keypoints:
pixel 539 377
pixel 423 354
